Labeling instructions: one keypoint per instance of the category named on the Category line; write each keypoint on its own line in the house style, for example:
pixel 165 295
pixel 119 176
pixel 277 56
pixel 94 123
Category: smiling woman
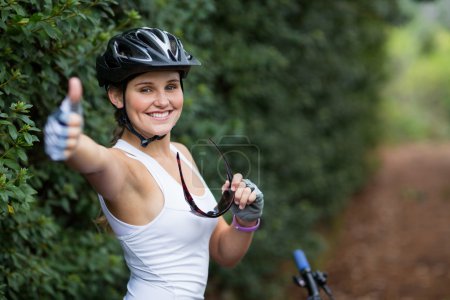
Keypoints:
pixel 146 199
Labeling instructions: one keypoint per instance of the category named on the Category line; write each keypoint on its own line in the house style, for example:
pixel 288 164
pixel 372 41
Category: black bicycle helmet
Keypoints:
pixel 141 50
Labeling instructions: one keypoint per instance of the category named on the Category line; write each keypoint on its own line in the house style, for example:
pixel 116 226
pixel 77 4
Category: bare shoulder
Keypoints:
pixel 118 154
pixel 121 174
pixel 109 179
pixel 128 166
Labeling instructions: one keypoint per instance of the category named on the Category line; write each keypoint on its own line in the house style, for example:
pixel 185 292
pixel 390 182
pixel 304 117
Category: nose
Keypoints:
pixel 162 100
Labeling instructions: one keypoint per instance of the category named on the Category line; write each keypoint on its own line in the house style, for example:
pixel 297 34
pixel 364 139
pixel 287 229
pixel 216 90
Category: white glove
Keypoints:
pixel 58 131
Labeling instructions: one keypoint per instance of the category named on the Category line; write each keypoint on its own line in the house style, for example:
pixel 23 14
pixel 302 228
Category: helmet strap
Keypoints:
pixel 124 120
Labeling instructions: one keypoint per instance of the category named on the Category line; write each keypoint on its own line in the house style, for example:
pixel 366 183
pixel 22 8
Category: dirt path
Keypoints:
pixel 395 242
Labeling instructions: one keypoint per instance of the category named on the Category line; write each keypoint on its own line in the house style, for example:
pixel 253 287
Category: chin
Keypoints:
pixel 162 132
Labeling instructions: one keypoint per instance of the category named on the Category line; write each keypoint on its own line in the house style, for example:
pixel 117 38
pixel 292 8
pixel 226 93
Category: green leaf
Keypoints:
pixel 28 138
pixel 10 163
pixel 22 155
pixel 12 132
pixel 36 17
pixel 51 31
pixel 26 119
pixel 20 11
pixel 5 122
pixel 10 209
pixel 23 21
pixel 4 196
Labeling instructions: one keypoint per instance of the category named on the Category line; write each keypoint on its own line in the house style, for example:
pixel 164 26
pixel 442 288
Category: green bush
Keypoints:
pixel 50 247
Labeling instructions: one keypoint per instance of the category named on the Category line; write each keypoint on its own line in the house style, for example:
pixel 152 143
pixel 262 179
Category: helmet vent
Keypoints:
pixel 148 41
pixel 174 47
pixel 111 63
pixel 123 50
pixel 126 51
pixel 158 33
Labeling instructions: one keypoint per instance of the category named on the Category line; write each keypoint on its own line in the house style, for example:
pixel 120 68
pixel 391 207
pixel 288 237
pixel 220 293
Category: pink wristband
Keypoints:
pixel 236 226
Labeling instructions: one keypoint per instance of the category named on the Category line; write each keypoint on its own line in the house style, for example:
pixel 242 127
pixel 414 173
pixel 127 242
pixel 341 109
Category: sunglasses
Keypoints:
pixel 226 199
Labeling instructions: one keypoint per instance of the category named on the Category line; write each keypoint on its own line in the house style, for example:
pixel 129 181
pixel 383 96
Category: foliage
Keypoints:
pixel 416 101
pixel 303 85
pixel 294 95
pixel 19 232
pixel 44 42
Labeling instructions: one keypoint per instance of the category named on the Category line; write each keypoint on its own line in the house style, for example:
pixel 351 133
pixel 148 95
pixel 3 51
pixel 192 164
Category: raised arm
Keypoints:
pixel 64 141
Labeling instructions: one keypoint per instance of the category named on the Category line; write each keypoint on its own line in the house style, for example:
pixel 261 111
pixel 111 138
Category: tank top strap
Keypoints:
pixel 156 170
pixel 187 162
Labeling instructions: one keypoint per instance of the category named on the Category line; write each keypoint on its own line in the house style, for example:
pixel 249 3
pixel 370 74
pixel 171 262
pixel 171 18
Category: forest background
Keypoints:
pixel 293 89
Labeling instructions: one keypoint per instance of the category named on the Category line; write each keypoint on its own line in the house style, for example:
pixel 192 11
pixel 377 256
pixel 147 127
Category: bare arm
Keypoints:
pixel 104 168
pixel 228 245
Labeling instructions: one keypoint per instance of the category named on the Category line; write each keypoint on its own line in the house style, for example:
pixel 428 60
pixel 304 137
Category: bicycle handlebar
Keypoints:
pixel 300 260
pixel 306 274
pixel 308 279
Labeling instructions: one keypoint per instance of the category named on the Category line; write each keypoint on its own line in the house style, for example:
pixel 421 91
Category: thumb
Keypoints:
pixel 75 90
pixel 74 93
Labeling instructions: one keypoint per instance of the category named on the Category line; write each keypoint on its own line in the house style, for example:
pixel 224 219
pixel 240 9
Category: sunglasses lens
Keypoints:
pixel 225 201
pixel 216 208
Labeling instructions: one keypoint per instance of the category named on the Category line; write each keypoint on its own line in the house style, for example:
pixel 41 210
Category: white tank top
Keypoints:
pixel 169 257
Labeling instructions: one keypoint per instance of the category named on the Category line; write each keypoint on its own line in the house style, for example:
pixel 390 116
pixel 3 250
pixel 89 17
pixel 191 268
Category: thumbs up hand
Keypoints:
pixel 72 102
pixel 63 128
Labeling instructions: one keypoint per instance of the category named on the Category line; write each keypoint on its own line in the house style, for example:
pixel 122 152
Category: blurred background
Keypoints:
pixel 314 98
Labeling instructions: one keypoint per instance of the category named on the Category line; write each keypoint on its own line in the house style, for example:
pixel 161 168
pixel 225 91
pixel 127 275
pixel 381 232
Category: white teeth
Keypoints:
pixel 159 115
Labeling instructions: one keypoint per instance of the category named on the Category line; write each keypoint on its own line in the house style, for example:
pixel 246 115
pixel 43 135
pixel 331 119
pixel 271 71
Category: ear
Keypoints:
pixel 115 96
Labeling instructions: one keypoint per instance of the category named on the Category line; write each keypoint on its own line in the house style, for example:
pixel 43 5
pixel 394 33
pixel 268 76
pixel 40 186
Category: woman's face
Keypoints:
pixel 154 102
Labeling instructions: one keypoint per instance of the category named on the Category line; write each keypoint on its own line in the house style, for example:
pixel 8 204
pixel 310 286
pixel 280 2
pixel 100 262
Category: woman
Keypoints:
pixel 147 199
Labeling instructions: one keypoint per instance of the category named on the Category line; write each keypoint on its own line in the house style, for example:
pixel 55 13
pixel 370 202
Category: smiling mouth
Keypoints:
pixel 159 115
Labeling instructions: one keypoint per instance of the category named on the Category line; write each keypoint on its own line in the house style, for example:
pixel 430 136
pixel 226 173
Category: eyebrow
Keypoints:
pixel 151 82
